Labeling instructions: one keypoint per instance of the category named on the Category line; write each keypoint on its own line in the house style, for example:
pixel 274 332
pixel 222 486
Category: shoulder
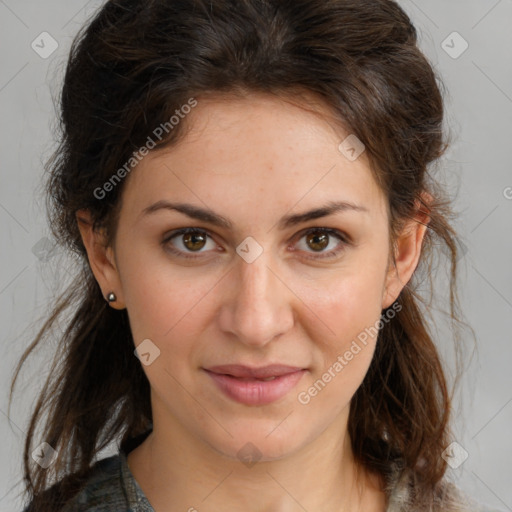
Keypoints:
pixel 402 488
pixel 103 490
pixel 452 498
pixel 109 486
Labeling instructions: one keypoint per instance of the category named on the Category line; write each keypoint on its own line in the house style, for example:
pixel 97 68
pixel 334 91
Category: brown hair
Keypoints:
pixel 129 69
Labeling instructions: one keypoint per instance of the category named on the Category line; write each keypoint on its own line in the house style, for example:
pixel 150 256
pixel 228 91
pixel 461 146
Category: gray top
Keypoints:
pixel 110 488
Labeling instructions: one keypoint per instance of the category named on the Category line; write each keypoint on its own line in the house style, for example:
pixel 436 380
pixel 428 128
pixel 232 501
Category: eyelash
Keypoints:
pixel 344 241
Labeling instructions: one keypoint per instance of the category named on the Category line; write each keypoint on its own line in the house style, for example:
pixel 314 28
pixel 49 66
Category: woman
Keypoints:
pixel 246 183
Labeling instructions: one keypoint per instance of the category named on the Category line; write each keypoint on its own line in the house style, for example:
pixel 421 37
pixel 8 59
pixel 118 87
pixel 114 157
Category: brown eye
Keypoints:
pixel 324 241
pixel 194 241
pixel 187 241
pixel 318 241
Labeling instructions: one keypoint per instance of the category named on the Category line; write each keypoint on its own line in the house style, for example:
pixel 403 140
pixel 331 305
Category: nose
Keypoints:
pixel 259 306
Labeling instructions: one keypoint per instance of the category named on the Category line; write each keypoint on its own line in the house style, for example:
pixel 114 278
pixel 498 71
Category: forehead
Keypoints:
pixel 257 152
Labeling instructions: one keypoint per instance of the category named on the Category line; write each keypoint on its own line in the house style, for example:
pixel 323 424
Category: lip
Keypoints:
pixel 244 387
pixel 238 370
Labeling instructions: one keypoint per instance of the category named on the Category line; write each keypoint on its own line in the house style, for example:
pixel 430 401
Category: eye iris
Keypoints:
pixel 320 241
pixel 194 238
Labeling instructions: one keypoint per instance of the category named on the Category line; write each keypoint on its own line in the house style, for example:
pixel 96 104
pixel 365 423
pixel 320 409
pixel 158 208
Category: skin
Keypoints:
pixel 252 160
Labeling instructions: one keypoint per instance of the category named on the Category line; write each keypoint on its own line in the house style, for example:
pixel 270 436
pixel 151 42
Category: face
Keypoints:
pixel 253 281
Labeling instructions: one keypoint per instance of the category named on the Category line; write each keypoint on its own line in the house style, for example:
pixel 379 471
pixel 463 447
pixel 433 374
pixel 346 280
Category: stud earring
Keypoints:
pixel 111 297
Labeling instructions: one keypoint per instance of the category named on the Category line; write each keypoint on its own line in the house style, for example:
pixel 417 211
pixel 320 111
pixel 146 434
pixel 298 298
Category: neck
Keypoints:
pixel 177 471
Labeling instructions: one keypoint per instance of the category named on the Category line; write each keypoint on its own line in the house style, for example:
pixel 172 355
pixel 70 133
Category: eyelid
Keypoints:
pixel 330 231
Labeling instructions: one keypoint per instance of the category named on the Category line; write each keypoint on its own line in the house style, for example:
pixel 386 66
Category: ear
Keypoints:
pixel 101 258
pixel 407 250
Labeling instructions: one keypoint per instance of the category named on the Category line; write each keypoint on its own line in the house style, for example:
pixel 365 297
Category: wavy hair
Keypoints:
pixel 130 67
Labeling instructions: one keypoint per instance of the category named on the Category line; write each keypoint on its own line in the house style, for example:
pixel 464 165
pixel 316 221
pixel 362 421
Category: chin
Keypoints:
pixel 251 445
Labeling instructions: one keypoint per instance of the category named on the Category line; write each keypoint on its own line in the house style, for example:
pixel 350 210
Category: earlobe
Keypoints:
pixel 101 259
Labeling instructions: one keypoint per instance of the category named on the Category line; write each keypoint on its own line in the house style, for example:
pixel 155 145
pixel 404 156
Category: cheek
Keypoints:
pixel 352 311
pixel 348 302
pixel 168 305
pixel 350 306
pixel 172 311
pixel 161 305
pixel 354 319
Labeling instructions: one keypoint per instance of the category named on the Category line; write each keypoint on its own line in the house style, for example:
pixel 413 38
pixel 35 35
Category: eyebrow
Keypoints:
pixel 207 215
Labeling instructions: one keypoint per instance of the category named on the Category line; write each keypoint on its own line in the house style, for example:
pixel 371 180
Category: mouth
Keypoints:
pixel 246 372
pixel 255 386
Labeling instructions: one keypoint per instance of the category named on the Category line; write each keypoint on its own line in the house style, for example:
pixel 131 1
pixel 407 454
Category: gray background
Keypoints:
pixel 477 170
